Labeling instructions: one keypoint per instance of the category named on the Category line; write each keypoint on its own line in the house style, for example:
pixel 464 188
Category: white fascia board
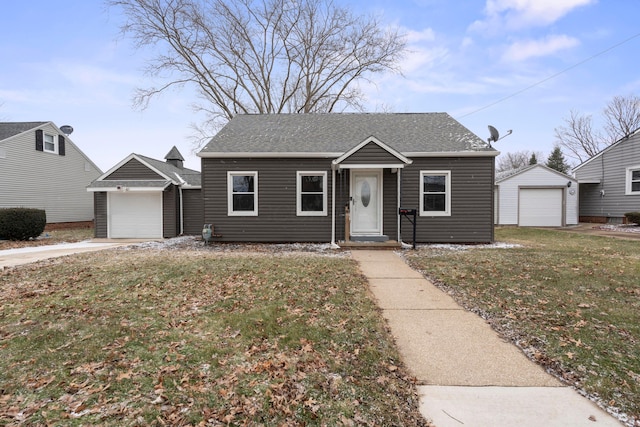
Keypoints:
pixel 372 166
pixel 454 154
pixel 127 190
pixel 268 155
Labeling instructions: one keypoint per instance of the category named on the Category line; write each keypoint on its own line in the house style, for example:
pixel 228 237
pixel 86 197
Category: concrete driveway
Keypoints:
pixel 13 257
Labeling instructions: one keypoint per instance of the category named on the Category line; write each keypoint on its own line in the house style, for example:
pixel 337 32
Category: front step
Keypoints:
pixel 387 244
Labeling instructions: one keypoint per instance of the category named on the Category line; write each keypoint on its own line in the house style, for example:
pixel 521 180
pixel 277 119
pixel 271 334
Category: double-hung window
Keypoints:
pixel 311 193
pixel 633 180
pixel 435 193
pixel 242 193
pixel 49 144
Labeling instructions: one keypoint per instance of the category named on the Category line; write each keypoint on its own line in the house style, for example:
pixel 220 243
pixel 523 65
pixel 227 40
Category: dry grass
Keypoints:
pixel 571 301
pixel 177 337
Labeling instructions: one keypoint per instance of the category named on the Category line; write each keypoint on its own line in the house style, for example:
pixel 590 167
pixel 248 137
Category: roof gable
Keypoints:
pixel 333 134
pixel 373 148
pixel 506 175
pixel 159 171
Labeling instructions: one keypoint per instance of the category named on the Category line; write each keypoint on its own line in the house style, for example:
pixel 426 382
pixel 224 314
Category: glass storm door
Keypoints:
pixel 366 203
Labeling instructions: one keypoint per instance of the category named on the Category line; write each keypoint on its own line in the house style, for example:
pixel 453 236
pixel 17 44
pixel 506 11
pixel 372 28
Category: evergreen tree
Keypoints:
pixel 556 160
pixel 533 160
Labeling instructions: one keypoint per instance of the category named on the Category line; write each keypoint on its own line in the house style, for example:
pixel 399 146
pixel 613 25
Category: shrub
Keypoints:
pixel 22 223
pixel 633 217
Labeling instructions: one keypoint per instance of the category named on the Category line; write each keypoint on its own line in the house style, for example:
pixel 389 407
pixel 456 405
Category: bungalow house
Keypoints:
pixel 536 196
pixel 610 182
pixel 141 197
pixel 343 177
pixel 41 168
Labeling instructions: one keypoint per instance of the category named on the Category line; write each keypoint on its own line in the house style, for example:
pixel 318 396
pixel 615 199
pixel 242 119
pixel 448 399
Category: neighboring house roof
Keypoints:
pixel 9 129
pixel 502 176
pixel 185 177
pixel 333 134
pixel 601 153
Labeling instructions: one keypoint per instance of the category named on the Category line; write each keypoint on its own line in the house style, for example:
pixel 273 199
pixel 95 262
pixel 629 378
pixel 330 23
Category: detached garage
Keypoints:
pixel 536 196
pixel 145 198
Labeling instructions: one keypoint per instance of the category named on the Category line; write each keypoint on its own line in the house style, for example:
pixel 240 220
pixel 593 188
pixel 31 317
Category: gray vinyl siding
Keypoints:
pixel 471 219
pixel 100 214
pixel 390 207
pixel 133 170
pixel 614 161
pixel 277 220
pixel 192 207
pixel 42 180
pixel 170 212
pixel 371 154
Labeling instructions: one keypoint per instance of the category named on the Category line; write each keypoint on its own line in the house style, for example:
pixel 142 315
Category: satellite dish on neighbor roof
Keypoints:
pixel 66 129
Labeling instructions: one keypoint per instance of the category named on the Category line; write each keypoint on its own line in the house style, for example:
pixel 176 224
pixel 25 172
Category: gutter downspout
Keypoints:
pixel 182 182
pixel 399 203
pixel 333 206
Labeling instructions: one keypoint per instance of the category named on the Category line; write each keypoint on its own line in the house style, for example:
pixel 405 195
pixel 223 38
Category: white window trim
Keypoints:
pixel 628 175
pixel 299 210
pixel 447 174
pixel 230 211
pixel 54 140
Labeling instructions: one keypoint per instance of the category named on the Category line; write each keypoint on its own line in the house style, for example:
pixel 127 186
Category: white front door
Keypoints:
pixel 366 203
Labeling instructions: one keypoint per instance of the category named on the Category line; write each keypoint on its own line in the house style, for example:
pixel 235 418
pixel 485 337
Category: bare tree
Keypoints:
pixel 621 117
pixel 260 56
pixel 516 160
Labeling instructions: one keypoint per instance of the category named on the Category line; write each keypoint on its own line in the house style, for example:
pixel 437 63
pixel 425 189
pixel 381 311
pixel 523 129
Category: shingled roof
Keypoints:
pixel 336 133
pixel 190 176
pixel 9 129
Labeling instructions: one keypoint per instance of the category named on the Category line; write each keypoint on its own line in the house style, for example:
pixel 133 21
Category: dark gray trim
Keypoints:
pixel 100 214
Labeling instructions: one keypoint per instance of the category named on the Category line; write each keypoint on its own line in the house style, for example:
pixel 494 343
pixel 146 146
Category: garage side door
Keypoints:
pixel 135 215
pixel 540 207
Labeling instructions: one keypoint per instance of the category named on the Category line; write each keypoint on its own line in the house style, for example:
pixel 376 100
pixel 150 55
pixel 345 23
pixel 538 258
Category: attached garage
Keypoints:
pixel 134 215
pixel 535 196
pixel 540 207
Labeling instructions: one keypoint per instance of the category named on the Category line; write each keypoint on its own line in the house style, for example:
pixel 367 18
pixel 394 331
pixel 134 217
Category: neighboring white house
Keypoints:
pixel 535 196
pixel 610 181
pixel 40 167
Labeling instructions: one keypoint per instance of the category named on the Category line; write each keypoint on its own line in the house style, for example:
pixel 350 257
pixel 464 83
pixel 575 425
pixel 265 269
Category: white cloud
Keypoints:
pixel 525 49
pixel 519 14
pixel 420 36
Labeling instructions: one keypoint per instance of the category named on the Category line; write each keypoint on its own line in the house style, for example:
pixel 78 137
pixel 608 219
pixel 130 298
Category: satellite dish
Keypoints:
pixel 495 135
pixel 66 129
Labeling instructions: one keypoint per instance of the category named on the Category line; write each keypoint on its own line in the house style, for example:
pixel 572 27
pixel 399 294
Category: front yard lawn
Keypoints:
pixel 179 337
pixel 571 301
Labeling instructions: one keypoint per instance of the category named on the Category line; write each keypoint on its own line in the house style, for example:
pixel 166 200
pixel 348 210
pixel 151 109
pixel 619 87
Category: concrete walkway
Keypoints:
pixel 13 257
pixel 467 375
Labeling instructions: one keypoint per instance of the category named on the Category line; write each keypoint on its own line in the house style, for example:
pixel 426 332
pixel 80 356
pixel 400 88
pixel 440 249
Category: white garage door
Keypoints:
pixel 135 215
pixel 540 207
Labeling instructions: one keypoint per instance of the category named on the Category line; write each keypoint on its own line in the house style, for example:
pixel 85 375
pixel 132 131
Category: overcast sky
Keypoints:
pixel 514 64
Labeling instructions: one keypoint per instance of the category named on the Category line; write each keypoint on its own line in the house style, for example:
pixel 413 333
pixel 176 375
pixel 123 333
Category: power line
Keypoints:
pixel 551 77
